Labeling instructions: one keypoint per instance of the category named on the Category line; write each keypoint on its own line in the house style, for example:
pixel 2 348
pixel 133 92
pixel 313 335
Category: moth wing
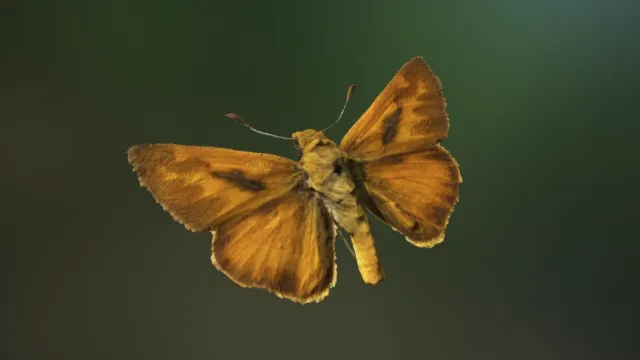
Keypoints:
pixel 286 247
pixel 403 175
pixel 408 115
pixel 414 193
pixel 204 187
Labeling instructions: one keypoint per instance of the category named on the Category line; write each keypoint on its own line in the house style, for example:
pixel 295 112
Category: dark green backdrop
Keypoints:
pixel 540 252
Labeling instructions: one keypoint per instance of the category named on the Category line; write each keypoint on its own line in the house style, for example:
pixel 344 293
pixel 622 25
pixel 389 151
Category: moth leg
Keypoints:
pixel 346 243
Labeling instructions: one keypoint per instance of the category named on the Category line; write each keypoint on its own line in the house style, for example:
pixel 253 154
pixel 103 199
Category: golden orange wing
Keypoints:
pixel 269 232
pixel 204 187
pixel 414 193
pixel 285 247
pixel 403 176
pixel 408 115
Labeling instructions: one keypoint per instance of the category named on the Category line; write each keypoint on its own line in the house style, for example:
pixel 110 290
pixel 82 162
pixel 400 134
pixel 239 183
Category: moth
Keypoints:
pixel 274 220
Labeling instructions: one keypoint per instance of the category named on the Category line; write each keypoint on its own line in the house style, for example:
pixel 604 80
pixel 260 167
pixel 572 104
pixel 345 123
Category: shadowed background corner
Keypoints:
pixel 538 261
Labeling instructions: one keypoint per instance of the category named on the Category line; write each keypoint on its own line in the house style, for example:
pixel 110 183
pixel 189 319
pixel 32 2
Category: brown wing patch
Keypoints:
pixel 408 115
pixel 285 247
pixel 414 193
pixel 203 187
pixel 238 178
pixel 390 126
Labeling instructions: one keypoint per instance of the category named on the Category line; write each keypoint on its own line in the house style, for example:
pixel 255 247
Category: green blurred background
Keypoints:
pixel 539 261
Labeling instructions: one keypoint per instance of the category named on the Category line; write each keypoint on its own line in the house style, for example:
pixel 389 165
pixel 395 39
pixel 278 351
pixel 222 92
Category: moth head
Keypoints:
pixel 306 139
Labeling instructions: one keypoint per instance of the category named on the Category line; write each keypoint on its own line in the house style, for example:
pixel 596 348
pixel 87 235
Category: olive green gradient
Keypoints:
pixel 540 256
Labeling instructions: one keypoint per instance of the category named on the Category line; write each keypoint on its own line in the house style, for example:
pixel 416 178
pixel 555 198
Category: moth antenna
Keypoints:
pixel 237 118
pixel 350 91
pixel 347 244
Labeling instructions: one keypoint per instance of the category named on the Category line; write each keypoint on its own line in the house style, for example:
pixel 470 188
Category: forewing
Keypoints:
pixel 286 247
pixel 204 187
pixel 408 115
pixel 414 193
